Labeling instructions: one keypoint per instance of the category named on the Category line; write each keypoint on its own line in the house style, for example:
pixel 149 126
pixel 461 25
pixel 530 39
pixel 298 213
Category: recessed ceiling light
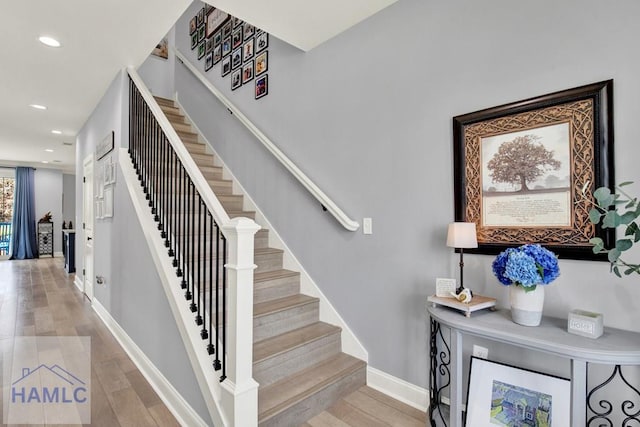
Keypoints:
pixel 38 106
pixel 57 132
pixel 49 150
pixel 44 161
pixel 49 41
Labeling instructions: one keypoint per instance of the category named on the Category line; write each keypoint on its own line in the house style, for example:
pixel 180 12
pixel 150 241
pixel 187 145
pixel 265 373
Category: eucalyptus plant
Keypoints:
pixel 613 210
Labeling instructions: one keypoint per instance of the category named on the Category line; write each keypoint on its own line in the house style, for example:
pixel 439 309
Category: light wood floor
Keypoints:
pixel 367 407
pixel 38 299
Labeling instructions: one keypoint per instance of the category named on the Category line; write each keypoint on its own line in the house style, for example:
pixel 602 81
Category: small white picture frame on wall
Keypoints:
pixel 108 202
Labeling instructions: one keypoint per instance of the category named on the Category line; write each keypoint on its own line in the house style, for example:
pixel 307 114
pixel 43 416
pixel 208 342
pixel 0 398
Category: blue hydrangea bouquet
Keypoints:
pixel 528 266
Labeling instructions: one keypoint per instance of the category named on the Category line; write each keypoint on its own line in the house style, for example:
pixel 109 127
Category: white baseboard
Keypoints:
pixel 58 255
pixel 401 390
pixel 78 282
pixel 179 407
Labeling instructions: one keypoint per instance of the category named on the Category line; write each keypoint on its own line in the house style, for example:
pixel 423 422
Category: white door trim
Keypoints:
pixel 88 225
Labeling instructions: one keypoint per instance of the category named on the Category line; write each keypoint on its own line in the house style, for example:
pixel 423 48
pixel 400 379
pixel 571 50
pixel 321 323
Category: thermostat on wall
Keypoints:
pixel 585 323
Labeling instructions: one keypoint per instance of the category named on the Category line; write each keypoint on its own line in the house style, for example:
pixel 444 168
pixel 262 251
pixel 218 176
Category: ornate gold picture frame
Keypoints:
pixel 520 170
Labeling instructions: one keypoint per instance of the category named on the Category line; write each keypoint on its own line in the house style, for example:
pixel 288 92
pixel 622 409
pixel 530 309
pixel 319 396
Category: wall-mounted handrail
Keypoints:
pixel 324 200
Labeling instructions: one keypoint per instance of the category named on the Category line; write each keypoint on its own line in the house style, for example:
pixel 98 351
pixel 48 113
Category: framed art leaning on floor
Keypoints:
pixel 504 395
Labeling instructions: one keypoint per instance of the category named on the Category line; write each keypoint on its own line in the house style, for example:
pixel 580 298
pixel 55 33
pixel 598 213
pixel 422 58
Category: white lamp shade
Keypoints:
pixel 462 235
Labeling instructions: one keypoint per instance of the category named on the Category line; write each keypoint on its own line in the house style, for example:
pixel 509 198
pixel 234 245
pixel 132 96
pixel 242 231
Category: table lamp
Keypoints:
pixel 462 235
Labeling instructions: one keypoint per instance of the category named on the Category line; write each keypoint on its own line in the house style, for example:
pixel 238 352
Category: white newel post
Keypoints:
pixel 242 391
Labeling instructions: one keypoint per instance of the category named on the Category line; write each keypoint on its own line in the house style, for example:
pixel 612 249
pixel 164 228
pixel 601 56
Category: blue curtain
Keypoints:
pixel 24 242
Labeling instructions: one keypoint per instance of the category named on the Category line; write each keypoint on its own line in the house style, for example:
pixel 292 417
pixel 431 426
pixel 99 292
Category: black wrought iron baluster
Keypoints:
pixel 210 347
pixel 197 200
pixel 171 219
pixel 224 309
pixel 202 305
pixel 162 169
pixel 216 363
pixel 183 226
pixel 187 246
pixel 192 237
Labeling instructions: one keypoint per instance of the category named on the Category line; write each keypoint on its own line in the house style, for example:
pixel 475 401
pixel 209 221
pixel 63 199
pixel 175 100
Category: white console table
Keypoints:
pixel 615 347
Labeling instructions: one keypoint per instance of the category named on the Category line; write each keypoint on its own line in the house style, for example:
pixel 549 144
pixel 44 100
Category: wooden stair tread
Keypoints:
pixel 281 304
pixel 282 343
pixel 285 393
pixel 264 251
pixel 265 276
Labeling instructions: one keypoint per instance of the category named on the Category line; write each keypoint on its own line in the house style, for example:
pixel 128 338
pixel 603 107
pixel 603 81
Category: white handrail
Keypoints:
pixel 326 202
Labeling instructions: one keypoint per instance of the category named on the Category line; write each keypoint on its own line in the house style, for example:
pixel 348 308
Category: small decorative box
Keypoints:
pixel 585 323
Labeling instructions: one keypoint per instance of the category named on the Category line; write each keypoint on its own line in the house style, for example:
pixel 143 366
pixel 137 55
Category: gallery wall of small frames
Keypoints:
pixel 239 48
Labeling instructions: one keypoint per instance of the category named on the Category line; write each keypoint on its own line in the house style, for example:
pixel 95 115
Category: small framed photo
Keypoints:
pixel 247 50
pixel 249 30
pixel 226 30
pixel 217 38
pixel 226 46
pixel 236 58
pixel 217 54
pixel 193 25
pixel 236 22
pixel 236 79
pixel 262 41
pixel 236 38
pixel 201 50
pixel 208 45
pixel 201 31
pixel 262 86
pixel 505 395
pixel 444 287
pixel 247 72
pixel 194 40
pixel 208 61
pixel 201 16
pixel 226 66
pixel 262 63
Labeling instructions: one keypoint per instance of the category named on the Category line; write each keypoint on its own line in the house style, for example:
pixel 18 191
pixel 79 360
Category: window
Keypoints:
pixel 7 187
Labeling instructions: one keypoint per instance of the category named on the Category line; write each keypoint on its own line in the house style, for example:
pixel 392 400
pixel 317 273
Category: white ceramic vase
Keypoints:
pixel 526 307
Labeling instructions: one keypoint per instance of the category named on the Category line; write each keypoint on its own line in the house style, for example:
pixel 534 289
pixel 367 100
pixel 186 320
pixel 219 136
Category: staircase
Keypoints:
pixel 297 359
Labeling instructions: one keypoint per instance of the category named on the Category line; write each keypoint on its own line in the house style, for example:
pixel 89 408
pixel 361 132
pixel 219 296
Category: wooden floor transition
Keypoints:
pixel 38 299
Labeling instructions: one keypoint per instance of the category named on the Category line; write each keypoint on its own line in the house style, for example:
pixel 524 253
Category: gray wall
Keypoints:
pixel 367 115
pixel 69 199
pixel 158 73
pixel 133 293
pixel 48 198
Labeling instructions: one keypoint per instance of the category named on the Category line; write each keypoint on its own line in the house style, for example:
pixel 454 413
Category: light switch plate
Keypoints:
pixel 367 226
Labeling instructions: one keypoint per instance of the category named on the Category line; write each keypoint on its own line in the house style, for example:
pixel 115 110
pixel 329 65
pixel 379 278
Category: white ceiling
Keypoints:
pixel 100 38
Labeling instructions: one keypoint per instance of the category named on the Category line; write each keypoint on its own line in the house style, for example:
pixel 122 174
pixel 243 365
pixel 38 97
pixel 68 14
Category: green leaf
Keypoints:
pixel 598 244
pixel 631 203
pixel 628 217
pixel 594 216
pixel 631 229
pixel 611 220
pixel 623 244
pixel 528 289
pixel 603 196
pixel 628 271
pixel 636 237
pixel 613 255
pixel 625 183
pixel 616 271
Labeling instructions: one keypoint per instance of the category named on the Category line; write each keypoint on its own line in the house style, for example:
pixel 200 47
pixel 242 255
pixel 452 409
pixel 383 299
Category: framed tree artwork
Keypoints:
pixel 525 172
